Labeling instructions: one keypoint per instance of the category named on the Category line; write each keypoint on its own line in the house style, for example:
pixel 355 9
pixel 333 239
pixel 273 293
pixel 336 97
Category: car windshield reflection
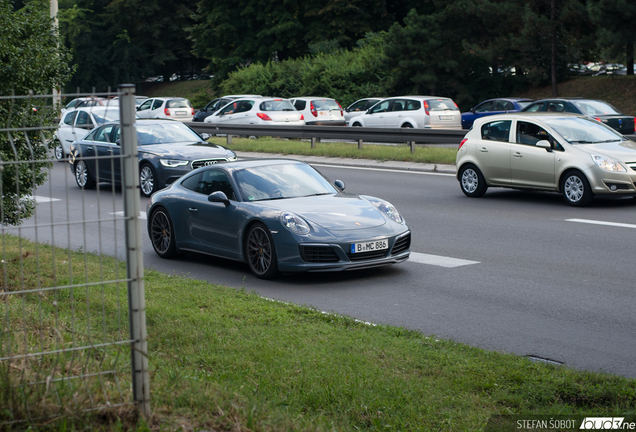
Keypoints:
pixel 578 130
pixel 170 132
pixel 281 181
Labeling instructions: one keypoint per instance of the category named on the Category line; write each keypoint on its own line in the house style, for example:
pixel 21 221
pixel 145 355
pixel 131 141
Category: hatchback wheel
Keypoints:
pixel 83 177
pixel 162 234
pixel 472 181
pixel 147 180
pixel 261 253
pixel 407 126
pixel 576 189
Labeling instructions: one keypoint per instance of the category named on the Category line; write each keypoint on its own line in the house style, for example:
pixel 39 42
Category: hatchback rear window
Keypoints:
pixel 179 103
pixel 276 105
pixel 325 104
pixel 442 104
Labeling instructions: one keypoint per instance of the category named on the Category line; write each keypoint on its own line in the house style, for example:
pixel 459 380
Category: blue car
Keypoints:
pixel 493 106
pixel 278 216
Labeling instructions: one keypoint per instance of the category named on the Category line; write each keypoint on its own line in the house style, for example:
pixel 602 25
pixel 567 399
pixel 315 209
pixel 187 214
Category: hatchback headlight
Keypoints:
pixel 387 210
pixel 607 164
pixel 173 163
pixel 294 223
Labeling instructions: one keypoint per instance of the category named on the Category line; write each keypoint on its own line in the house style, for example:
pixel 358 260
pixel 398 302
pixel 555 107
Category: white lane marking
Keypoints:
pixel 41 199
pixel 595 222
pixel 142 215
pixel 384 169
pixel 437 260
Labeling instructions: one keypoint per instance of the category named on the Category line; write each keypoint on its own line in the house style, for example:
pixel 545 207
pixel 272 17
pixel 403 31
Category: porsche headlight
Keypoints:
pixel 173 163
pixel 294 223
pixel 388 210
pixel 607 164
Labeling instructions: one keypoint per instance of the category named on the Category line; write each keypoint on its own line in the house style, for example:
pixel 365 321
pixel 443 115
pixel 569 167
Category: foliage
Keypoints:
pixel 346 75
pixel 31 61
pixel 617 35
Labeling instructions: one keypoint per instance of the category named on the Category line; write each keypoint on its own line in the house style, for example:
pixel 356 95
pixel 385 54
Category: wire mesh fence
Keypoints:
pixel 72 323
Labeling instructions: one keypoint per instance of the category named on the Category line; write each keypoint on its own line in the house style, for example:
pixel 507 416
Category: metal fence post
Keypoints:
pixel 134 255
pixel 359 144
pixel 313 142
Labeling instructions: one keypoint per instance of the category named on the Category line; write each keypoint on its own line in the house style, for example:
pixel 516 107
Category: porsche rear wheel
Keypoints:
pixel 261 252
pixel 162 234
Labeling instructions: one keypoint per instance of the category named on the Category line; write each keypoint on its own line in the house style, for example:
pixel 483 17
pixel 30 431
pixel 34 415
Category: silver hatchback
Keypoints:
pixel 567 153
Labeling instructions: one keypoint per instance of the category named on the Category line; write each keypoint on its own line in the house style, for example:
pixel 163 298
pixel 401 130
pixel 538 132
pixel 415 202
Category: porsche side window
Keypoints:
pixel 215 181
pixel 496 130
pixel 193 182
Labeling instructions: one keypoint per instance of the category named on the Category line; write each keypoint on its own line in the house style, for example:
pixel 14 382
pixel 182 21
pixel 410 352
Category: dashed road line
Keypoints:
pixel 438 260
pixel 596 222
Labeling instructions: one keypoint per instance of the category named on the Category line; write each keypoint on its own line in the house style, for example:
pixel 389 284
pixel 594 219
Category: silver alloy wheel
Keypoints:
pixel 59 152
pixel 146 180
pixel 574 188
pixel 160 232
pixel 259 250
pixel 81 174
pixel 470 181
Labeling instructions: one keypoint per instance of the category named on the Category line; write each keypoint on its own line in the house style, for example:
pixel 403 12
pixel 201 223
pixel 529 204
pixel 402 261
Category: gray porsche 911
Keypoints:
pixel 278 216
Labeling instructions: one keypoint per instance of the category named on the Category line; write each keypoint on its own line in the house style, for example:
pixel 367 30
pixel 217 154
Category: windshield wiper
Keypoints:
pixel 317 194
pixel 594 142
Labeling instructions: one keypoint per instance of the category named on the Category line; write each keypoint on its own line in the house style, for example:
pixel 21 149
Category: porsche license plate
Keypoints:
pixel 445 117
pixel 180 113
pixel 370 246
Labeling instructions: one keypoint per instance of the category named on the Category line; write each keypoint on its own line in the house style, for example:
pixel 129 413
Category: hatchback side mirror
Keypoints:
pixel 340 185
pixel 219 196
pixel 544 144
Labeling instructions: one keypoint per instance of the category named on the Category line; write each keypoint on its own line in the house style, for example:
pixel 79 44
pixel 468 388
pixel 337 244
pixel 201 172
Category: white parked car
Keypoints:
pixel 411 112
pixel 258 110
pixel 216 104
pixel 175 108
pixel 85 102
pixel 76 124
pixel 320 111
pixel 359 107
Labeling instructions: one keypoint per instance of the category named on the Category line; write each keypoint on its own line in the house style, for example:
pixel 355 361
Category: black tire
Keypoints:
pixel 162 234
pixel 147 180
pixel 576 189
pixel 58 151
pixel 260 252
pixel 356 125
pixel 83 176
pixel 407 125
pixel 472 181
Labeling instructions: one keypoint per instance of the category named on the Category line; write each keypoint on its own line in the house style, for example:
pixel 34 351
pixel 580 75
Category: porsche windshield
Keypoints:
pixel 578 130
pixel 165 133
pixel 281 181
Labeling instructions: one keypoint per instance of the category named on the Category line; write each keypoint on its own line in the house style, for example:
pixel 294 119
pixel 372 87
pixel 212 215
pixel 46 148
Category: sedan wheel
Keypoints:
pixel 83 177
pixel 472 181
pixel 261 253
pixel 59 152
pixel 576 189
pixel 147 180
pixel 162 234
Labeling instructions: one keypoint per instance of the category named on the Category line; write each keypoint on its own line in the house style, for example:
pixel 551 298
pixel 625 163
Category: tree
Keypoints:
pixel 617 32
pixel 31 60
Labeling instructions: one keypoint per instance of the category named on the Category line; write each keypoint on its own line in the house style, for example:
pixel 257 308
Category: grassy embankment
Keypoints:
pixel 228 360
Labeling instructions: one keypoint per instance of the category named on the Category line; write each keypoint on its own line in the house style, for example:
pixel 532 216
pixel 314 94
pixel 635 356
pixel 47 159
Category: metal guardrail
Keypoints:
pixel 397 135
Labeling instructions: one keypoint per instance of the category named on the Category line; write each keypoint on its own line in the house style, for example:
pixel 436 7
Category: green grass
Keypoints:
pixel 425 154
pixel 226 359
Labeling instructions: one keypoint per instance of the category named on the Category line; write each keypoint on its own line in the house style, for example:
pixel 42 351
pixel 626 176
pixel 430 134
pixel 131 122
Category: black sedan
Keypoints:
pixel 167 150
pixel 596 109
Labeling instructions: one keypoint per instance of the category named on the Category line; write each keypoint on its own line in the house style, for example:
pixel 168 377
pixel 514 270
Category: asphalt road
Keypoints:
pixel 517 272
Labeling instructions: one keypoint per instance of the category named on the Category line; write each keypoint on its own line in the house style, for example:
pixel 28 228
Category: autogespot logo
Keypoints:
pixel 605 423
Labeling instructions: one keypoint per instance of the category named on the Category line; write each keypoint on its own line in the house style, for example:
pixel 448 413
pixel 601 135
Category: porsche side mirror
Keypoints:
pixel 219 196
pixel 340 185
